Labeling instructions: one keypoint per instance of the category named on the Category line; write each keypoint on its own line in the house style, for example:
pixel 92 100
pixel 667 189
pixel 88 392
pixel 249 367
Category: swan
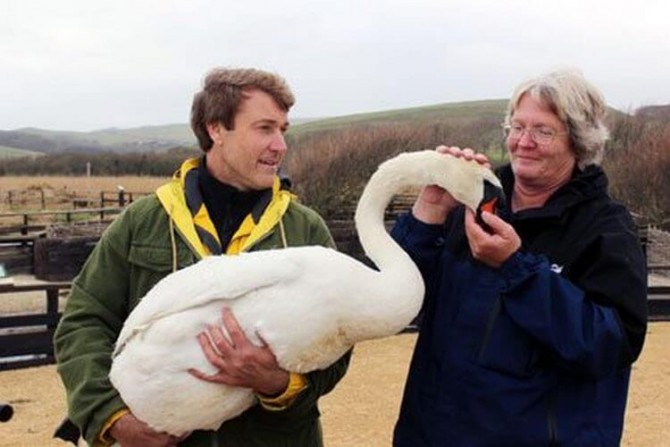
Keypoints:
pixel 309 304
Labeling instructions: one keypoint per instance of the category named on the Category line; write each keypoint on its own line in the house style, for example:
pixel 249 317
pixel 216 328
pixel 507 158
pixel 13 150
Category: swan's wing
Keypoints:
pixel 221 278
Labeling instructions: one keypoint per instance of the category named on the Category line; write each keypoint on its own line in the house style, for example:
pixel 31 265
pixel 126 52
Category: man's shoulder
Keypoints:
pixel 143 205
pixel 144 209
pixel 297 210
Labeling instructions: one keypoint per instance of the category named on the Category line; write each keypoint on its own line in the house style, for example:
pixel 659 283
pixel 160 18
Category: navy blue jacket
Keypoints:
pixel 537 352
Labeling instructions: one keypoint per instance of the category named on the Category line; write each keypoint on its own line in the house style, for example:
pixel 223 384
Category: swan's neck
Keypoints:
pixel 375 240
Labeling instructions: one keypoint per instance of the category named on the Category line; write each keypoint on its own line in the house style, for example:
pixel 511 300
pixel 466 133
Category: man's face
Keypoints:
pixel 248 157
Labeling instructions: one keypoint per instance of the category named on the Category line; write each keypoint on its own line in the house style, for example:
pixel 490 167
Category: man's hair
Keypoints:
pixel 577 103
pixel 222 93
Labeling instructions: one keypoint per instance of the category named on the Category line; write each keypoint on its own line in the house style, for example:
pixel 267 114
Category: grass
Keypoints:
pixel 6 151
pixel 459 111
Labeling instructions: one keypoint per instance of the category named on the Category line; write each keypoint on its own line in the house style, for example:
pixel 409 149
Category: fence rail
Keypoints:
pixel 33 221
pixel 27 339
pixel 37 198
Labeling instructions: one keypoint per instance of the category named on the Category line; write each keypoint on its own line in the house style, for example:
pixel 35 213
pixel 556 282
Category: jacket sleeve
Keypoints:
pixel 594 324
pixel 91 322
pixel 424 243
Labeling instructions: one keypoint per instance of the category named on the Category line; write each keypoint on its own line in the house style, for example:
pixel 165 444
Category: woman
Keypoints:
pixel 529 328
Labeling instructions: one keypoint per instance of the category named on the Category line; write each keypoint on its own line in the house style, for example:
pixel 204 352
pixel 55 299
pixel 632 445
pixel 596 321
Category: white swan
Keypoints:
pixel 310 304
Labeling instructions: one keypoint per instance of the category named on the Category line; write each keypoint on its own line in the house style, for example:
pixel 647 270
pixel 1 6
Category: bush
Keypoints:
pixel 638 164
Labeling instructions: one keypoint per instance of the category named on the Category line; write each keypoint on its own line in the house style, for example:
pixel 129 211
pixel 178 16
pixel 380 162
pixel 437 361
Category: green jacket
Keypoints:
pixel 139 248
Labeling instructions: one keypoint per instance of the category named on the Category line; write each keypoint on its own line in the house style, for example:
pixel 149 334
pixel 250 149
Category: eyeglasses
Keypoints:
pixel 541 135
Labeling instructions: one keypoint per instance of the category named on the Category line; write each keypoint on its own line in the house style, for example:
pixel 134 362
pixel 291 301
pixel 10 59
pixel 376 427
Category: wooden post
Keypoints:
pixel 122 197
pixel 44 206
pixel 52 316
pixel 24 228
pixel 102 199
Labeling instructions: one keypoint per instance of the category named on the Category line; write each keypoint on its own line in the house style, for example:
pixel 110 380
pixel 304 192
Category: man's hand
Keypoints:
pixel 491 248
pixel 434 203
pixel 131 432
pixel 240 362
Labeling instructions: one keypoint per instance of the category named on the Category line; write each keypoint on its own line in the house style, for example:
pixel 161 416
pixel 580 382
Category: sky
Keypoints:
pixel 84 65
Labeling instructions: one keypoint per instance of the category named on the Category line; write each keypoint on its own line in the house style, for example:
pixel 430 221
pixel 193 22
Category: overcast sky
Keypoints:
pixel 86 64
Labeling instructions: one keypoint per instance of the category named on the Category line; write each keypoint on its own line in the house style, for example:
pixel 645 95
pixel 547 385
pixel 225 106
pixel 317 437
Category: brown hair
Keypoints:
pixel 222 93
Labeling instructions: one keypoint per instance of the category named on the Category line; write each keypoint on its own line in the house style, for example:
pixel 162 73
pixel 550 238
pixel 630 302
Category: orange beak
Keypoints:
pixel 494 198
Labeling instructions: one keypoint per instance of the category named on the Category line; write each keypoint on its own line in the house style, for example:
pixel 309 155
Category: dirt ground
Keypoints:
pixel 361 411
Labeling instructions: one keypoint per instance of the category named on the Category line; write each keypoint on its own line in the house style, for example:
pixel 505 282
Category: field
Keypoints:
pixel 361 411
pixel 24 193
pixel 130 183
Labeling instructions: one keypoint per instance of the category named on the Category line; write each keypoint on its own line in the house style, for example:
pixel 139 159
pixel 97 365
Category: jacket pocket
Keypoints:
pixel 505 347
pixel 150 264
pixel 159 259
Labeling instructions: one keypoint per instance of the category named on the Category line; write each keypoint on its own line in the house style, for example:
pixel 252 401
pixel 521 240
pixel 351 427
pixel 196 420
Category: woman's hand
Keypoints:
pixel 493 248
pixel 434 203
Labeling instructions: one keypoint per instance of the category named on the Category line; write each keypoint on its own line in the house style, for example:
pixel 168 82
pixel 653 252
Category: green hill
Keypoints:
pixel 161 138
pixel 460 111
pixel 140 139
pixel 9 152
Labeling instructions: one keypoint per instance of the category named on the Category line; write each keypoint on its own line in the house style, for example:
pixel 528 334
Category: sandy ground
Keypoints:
pixel 361 411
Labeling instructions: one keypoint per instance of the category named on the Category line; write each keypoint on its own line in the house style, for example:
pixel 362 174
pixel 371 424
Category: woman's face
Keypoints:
pixel 543 164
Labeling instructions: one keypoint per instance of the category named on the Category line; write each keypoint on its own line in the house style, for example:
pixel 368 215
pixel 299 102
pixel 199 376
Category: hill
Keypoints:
pixel 9 152
pixel 462 111
pixel 161 138
pixel 139 139
pixel 660 113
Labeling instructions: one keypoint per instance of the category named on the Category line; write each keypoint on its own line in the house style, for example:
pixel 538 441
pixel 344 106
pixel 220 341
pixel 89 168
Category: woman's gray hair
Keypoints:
pixel 577 103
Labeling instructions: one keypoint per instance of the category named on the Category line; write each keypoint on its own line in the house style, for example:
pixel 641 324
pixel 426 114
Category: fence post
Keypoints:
pixel 122 197
pixel 52 316
pixel 44 206
pixel 102 199
pixel 24 228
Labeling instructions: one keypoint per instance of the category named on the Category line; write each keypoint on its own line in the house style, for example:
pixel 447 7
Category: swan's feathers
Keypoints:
pixel 220 279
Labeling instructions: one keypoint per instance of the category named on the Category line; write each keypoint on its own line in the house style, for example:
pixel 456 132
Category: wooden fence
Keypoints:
pixel 38 199
pixel 26 222
pixel 27 339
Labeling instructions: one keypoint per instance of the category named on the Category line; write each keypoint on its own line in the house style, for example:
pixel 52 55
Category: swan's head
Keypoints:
pixel 492 202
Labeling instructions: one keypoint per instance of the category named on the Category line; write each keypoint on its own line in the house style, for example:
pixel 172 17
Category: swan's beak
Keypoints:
pixel 494 200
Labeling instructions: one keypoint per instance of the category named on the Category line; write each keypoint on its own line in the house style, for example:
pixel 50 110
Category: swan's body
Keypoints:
pixel 310 304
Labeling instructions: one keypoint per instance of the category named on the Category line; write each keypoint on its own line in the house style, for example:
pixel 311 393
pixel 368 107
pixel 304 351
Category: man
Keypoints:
pixel 228 201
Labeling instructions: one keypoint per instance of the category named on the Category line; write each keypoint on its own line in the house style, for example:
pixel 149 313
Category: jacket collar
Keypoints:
pixel 194 228
pixel 584 185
